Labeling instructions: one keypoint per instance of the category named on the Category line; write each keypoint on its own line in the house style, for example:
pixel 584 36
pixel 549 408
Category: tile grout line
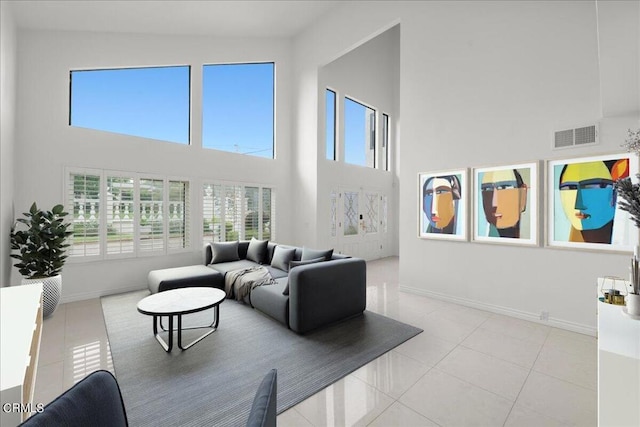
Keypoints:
pixel 527 378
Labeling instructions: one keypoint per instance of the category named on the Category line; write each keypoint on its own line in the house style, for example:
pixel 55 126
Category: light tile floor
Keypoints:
pixel 468 368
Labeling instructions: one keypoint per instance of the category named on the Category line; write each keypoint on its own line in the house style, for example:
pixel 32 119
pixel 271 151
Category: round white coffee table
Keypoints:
pixel 178 302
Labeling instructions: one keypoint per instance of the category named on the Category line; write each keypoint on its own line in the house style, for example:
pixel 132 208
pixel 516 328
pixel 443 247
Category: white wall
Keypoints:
pixel 313 49
pixel 486 83
pixel 504 78
pixel 369 74
pixel 618 42
pixel 8 82
pixel 46 143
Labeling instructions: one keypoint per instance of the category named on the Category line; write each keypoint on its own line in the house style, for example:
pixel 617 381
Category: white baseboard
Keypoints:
pixel 97 294
pixel 532 317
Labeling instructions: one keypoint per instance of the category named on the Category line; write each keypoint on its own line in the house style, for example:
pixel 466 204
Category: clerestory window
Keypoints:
pixel 149 102
pixel 238 108
pixel 359 134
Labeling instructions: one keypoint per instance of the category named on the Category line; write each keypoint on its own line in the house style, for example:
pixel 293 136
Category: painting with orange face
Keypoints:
pixel 583 206
pixel 505 204
pixel 443 205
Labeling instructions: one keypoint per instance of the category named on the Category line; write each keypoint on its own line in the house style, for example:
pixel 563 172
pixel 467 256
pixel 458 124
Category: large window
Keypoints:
pixel 359 134
pixel 121 214
pixel 330 126
pixel 238 108
pixel 236 212
pixel 147 102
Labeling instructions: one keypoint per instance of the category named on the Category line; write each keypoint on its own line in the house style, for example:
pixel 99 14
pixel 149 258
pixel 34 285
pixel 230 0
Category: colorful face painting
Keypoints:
pixel 440 194
pixel 589 200
pixel 441 205
pixel 505 204
pixel 584 203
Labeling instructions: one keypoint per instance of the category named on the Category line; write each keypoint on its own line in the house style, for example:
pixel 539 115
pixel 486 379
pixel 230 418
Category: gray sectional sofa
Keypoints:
pixel 312 288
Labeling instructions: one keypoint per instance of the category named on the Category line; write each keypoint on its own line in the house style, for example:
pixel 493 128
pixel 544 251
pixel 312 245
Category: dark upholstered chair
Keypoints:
pixel 95 401
pixel 263 412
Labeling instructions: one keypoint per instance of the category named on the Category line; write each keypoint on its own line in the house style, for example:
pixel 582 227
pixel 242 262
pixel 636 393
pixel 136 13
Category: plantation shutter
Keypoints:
pixel 83 203
pixel 233 213
pixel 251 212
pixel 267 213
pixel 179 214
pixel 151 220
pixel 120 215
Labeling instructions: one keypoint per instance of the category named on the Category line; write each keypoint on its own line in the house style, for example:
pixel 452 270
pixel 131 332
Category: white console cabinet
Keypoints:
pixel 21 329
pixel 618 367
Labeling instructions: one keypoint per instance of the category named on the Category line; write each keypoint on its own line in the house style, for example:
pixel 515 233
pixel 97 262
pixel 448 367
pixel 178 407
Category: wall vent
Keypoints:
pixel 587 135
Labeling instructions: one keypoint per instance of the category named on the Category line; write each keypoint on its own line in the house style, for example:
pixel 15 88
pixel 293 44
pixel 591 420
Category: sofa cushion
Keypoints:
pixel 224 252
pixel 276 273
pixel 294 264
pixel 281 257
pixel 184 277
pixel 257 250
pixel 225 267
pixel 270 301
pixel 308 254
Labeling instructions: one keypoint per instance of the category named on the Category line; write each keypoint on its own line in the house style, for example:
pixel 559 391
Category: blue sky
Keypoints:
pixel 154 103
pixel 355 130
pixel 237 107
pixel 147 102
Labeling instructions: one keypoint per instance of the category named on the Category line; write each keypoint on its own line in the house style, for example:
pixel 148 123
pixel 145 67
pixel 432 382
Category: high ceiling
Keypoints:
pixel 185 17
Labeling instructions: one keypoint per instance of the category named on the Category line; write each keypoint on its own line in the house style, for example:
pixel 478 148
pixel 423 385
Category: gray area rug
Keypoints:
pixel 213 382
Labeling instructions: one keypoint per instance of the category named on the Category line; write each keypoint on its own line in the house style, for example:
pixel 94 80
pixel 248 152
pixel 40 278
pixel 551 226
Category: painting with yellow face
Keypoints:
pixel 585 211
pixel 442 212
pixel 505 209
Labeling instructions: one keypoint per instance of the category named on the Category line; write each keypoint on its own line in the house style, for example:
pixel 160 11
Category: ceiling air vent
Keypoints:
pixel 587 135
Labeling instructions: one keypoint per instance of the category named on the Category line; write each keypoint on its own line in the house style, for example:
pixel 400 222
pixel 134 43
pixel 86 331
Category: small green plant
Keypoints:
pixel 41 246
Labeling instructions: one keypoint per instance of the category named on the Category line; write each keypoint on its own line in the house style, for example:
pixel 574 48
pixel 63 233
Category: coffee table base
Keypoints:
pixel 169 346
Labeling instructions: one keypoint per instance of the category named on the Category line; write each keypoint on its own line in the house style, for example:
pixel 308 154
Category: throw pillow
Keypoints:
pixel 294 264
pixel 257 251
pixel 282 257
pixel 224 252
pixel 308 254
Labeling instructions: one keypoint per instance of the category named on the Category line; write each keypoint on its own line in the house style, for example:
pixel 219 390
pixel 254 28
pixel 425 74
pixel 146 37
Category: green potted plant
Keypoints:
pixel 40 248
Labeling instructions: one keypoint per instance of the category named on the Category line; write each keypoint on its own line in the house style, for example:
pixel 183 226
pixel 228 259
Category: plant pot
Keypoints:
pixel 51 292
pixel 633 304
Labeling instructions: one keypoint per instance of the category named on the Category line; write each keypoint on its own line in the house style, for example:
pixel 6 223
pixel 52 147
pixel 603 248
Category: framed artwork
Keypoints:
pixel 443 205
pixel 582 209
pixel 505 204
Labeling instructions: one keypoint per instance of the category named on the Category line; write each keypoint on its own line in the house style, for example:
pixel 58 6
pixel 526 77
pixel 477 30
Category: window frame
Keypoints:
pixel 335 124
pixel 242 186
pixel 189 100
pixel 102 222
pixel 385 131
pixel 373 129
pixel 273 106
